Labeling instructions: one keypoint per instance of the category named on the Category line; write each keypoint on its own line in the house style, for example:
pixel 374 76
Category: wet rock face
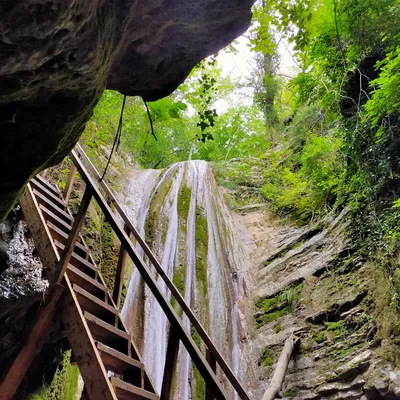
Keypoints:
pixel 57 57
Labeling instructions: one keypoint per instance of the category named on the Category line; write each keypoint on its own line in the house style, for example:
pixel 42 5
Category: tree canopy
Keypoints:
pixel 321 138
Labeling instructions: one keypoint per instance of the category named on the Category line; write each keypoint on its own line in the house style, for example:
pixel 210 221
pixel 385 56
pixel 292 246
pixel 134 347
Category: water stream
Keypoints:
pixel 184 216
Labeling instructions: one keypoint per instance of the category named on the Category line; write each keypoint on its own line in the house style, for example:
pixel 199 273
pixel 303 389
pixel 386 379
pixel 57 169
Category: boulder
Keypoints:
pixel 58 56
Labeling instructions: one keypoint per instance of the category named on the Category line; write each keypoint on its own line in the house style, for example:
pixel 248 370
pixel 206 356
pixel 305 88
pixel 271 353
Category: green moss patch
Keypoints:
pixel 109 254
pixel 199 392
pixel 278 306
pixel 155 208
pixel 179 280
pixel 184 201
pixel 201 240
pixel 267 360
pixel 64 385
pixel 336 330
pixel 290 393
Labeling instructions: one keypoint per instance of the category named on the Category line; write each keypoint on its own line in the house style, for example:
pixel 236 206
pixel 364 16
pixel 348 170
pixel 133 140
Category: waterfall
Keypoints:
pixel 182 214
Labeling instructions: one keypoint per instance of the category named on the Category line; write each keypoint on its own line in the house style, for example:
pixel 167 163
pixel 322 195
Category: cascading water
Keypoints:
pixel 184 218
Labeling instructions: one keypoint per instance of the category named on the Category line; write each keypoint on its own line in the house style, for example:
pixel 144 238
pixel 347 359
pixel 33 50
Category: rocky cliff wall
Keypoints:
pixel 310 281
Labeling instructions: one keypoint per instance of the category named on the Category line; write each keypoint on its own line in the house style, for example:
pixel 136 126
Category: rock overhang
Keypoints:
pixel 57 57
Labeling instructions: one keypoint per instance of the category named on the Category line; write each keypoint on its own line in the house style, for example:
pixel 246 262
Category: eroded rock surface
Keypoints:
pixel 57 57
pixel 312 283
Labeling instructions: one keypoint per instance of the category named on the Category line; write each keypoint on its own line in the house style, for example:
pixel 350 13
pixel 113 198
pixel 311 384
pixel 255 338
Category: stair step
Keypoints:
pixel 48 185
pixel 54 219
pixel 108 334
pixel 87 283
pixel 52 206
pixel 47 192
pixel 95 306
pixel 125 391
pixel 118 362
pixel 79 262
pixel 62 237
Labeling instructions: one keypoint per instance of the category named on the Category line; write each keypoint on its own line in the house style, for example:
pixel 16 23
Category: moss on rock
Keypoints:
pixel 64 385
pixel 155 208
pixel 201 240
pixel 184 201
pixel 199 392
pixel 109 254
pixel 270 309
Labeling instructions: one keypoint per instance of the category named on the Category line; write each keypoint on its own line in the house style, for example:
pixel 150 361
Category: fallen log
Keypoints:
pixel 281 368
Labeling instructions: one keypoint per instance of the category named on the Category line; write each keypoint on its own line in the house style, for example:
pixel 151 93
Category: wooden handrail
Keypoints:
pixel 78 155
pixel 194 352
pixel 170 365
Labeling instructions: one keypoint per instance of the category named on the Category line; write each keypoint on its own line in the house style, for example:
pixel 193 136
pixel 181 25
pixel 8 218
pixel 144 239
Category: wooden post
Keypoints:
pixel 170 364
pixel 31 347
pixel 213 364
pixel 70 183
pixel 119 276
pixel 281 368
pixel 74 234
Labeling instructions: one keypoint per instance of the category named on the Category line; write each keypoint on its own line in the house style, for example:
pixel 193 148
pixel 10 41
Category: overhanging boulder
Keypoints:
pixel 58 56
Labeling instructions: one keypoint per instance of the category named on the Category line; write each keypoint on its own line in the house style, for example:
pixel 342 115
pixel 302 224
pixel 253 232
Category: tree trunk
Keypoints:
pixel 281 368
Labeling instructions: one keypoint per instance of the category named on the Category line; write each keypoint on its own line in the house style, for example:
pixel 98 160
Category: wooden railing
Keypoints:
pixel 206 364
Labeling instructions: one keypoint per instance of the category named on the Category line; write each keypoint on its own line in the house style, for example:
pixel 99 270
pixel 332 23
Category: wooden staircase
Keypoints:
pixel 109 362
pixel 102 347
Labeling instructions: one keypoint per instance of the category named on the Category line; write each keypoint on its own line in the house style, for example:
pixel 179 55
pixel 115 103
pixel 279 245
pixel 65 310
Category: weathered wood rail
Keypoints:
pixel 214 388
pixel 91 312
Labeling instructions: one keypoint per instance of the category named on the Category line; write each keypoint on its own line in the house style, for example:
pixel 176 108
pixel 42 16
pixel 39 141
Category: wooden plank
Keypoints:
pixel 57 221
pixel 119 276
pixel 48 193
pixel 62 237
pixel 89 296
pixel 125 391
pixel 185 337
pixel 70 183
pixel 31 347
pixel 117 361
pixel 40 233
pixel 170 365
pixel 51 206
pixel 73 236
pixel 49 186
pixel 95 306
pixel 91 285
pixel 79 154
pixel 213 364
pixel 78 261
pixel 109 330
pixel 88 358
